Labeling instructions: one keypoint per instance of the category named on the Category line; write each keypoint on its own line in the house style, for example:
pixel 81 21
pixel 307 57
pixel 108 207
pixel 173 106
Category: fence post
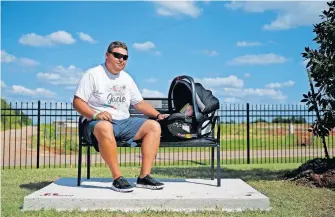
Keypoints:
pixel 248 134
pixel 38 132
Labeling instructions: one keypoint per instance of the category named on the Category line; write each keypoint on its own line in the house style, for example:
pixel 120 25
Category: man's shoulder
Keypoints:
pixel 126 75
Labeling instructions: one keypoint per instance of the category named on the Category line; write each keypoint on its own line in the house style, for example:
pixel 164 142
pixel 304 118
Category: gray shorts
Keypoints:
pixel 124 130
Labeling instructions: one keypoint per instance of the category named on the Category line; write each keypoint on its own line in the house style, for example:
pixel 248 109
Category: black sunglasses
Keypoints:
pixel 119 55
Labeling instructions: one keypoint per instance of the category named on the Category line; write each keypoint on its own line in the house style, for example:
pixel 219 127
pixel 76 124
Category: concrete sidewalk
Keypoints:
pixel 178 195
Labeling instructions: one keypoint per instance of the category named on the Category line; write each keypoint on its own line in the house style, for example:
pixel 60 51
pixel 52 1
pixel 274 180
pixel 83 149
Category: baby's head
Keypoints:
pixel 189 110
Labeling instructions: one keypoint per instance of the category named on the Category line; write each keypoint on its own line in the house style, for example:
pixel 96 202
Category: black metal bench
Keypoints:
pixel 209 141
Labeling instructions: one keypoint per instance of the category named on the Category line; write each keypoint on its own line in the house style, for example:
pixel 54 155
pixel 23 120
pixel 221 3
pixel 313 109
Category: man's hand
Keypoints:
pixel 103 116
pixel 162 116
pixel 147 109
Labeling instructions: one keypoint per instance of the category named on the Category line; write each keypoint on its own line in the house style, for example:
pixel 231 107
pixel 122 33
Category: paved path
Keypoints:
pixel 14 146
pixel 51 160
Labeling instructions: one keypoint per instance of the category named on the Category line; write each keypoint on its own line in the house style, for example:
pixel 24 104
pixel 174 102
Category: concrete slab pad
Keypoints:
pixel 178 195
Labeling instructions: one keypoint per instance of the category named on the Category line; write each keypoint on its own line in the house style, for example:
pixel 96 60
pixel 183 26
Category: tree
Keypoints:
pixel 297 120
pixel 321 74
pixel 260 120
pixel 293 120
pixel 12 118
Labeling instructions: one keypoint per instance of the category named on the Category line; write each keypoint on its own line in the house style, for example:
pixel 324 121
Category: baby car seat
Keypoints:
pixel 191 108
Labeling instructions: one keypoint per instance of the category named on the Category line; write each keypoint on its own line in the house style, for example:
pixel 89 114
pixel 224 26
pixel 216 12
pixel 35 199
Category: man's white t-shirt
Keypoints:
pixel 104 91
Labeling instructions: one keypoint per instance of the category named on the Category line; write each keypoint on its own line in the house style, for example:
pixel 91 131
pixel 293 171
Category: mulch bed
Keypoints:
pixel 317 172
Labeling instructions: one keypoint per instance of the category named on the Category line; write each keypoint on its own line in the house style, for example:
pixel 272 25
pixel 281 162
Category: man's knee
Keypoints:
pixel 154 126
pixel 104 130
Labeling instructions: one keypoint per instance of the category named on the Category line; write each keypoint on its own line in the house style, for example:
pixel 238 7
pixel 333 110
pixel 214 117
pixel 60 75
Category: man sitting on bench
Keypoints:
pixel 103 97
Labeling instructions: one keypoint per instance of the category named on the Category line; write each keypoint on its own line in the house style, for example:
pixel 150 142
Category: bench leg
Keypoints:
pixel 79 164
pixel 88 162
pixel 212 163
pixel 218 166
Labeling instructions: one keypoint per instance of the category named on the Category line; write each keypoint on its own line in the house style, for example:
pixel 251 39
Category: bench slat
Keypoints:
pixel 203 142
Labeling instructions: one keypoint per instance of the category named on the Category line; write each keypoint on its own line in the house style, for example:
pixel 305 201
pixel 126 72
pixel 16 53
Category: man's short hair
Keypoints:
pixel 116 44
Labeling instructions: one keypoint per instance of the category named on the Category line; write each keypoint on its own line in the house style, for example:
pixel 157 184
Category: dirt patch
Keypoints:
pixel 317 172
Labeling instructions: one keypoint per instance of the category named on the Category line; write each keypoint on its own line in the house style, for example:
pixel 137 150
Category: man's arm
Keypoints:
pixel 141 105
pixel 82 107
pixel 146 108
pixel 85 110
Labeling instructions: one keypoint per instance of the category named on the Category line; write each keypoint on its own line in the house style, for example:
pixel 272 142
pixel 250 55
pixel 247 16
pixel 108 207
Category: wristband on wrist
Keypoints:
pixel 158 115
pixel 94 116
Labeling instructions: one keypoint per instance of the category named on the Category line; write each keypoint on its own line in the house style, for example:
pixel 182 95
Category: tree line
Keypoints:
pixel 276 120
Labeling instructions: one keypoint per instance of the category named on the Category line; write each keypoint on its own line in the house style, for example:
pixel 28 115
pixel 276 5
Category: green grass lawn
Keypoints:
pixel 287 199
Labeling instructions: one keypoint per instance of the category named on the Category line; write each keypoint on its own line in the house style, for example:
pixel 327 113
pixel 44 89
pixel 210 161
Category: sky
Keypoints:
pixel 244 52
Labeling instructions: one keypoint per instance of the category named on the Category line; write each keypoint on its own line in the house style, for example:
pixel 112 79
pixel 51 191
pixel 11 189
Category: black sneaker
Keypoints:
pixel 149 182
pixel 122 185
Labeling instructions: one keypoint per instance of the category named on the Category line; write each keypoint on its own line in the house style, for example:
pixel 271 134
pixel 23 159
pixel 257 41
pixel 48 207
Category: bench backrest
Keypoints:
pixel 161 104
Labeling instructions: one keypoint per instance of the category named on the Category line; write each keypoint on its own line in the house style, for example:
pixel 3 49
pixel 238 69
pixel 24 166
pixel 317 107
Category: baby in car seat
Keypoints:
pixel 187 110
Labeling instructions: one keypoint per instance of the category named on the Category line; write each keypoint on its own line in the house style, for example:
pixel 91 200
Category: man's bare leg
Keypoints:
pixel 103 132
pixel 150 133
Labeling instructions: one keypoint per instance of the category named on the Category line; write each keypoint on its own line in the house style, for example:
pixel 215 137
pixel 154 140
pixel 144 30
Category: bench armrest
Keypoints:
pixel 216 122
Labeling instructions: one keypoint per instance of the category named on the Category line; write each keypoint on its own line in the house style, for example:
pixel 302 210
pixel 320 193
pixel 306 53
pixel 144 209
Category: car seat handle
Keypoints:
pixel 195 105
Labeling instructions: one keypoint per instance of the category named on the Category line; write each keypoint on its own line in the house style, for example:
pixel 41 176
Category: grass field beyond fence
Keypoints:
pixel 263 136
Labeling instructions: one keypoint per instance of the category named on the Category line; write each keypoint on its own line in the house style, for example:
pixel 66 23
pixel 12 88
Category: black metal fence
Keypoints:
pixel 45 135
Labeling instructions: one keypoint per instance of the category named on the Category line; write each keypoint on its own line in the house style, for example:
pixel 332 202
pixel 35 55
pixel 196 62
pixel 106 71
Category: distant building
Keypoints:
pixel 66 123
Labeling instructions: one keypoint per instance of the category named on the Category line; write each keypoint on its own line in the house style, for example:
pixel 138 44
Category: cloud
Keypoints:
pixel 247 44
pixel 151 80
pixel 6 57
pixel 175 9
pixel 152 93
pixel 28 62
pixel 247 75
pixel 145 46
pixel 38 92
pixel 251 93
pixel 258 59
pixel 86 37
pixel 280 85
pixel 61 76
pixel 230 81
pixel 231 100
pixel 233 90
pixel 289 14
pixel 211 52
pixel 59 37
pixel 70 87
pixel 3 85
pixel 23 61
